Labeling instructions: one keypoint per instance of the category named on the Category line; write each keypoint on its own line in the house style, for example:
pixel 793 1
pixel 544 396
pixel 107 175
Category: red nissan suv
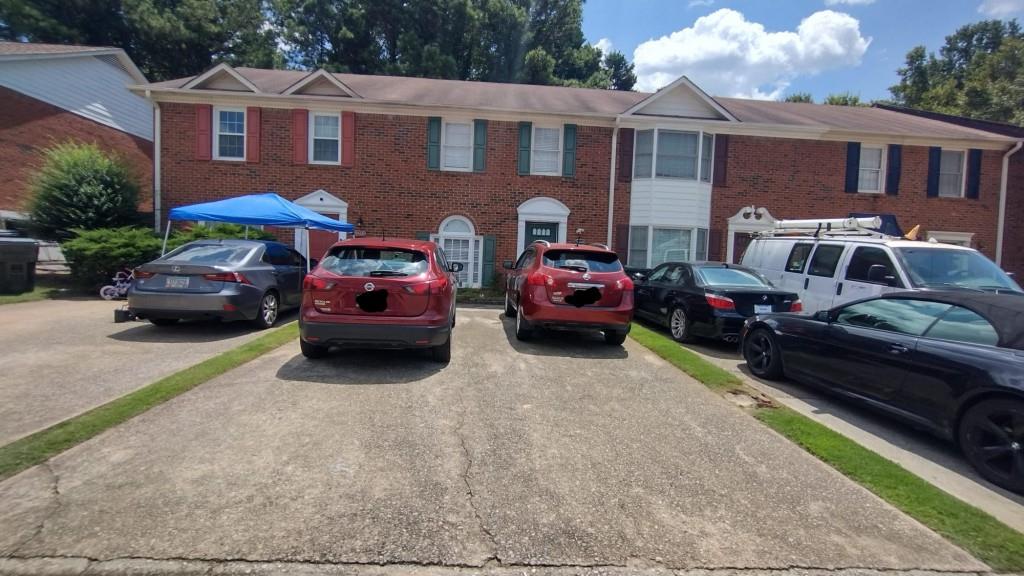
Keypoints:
pixel 380 294
pixel 569 286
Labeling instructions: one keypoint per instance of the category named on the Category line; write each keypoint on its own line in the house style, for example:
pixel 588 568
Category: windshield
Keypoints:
pixel 582 261
pixel 358 261
pixel 731 277
pixel 953 268
pixel 209 254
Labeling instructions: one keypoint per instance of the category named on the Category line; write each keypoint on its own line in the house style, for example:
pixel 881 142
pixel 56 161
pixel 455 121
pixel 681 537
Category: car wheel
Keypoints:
pixel 991 436
pixel 523 329
pixel 266 314
pixel 163 321
pixel 312 351
pixel 679 325
pixel 510 310
pixel 762 353
pixel 443 353
pixel 615 337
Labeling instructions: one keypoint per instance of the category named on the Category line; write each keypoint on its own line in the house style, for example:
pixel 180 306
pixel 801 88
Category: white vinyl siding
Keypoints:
pixel 872 169
pixel 228 133
pixel 324 138
pixel 457 146
pixel 546 151
pixel 951 174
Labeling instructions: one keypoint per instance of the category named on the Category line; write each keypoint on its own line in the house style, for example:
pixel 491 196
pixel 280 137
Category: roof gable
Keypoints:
pixel 221 77
pixel 681 98
pixel 321 83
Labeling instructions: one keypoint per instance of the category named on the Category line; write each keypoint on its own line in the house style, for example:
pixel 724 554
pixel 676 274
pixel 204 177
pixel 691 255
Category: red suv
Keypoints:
pixel 380 294
pixel 569 286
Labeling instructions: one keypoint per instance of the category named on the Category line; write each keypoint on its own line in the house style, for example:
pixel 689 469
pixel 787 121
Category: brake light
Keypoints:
pixel 539 279
pixel 625 284
pixel 227 277
pixel 435 286
pixel 316 283
pixel 796 306
pixel 720 302
pixel 139 273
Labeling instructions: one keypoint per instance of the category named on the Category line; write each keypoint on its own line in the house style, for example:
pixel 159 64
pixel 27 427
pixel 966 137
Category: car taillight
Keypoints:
pixel 720 302
pixel 796 306
pixel 227 277
pixel 435 286
pixel 539 279
pixel 316 283
pixel 139 273
pixel 624 284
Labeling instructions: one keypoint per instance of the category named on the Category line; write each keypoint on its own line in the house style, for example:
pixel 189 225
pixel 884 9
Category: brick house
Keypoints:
pixel 487 168
pixel 50 93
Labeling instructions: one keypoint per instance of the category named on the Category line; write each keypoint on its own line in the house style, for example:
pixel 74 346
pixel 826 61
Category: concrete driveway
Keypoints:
pixel 559 454
pixel 59 358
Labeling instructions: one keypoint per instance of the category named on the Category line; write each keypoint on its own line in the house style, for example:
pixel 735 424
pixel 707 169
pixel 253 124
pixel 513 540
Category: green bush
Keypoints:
pixel 94 256
pixel 220 230
pixel 81 187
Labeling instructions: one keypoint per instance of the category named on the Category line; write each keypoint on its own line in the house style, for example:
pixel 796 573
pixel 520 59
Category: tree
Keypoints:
pixel 620 71
pixel 844 99
pixel 804 97
pixel 538 67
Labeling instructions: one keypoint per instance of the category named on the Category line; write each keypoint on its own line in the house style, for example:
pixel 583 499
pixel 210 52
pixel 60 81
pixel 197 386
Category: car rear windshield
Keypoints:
pixel 359 261
pixel 209 254
pixel 583 260
pixel 731 277
pixel 953 268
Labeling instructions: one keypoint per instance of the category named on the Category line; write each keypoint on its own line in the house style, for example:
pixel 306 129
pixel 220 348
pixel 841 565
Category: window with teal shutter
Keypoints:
pixel 569 151
pixel 479 145
pixel 433 143
pixel 525 133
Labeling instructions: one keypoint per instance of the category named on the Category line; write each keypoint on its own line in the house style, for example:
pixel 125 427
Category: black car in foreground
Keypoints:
pixel 707 299
pixel 949 362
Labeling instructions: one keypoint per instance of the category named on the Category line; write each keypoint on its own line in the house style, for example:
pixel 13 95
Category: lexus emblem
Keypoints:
pixel 369 286
pixel 764 298
pixel 175 268
pixel 586 276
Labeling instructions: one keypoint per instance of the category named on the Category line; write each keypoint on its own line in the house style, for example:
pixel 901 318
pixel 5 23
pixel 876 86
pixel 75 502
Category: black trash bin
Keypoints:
pixel 18 265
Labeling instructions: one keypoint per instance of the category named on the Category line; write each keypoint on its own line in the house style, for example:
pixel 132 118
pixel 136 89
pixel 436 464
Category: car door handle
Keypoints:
pixel 807 282
pixel 898 349
pixel 839 288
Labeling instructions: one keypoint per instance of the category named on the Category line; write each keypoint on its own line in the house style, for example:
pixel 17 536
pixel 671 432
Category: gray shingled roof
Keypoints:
pixel 26 48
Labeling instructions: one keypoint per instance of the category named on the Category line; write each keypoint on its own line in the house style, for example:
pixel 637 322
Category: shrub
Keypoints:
pixel 219 230
pixel 81 187
pixel 94 256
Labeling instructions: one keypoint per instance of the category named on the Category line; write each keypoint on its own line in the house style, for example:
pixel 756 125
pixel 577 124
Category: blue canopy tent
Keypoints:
pixel 266 209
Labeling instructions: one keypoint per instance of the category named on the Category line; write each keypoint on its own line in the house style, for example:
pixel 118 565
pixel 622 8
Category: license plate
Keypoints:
pixel 762 308
pixel 176 282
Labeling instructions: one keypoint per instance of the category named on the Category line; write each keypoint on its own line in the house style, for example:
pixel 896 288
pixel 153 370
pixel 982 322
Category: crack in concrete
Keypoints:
pixel 55 492
pixel 469 487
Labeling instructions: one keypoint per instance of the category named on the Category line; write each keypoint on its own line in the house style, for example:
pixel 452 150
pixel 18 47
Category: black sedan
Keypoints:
pixel 949 362
pixel 707 299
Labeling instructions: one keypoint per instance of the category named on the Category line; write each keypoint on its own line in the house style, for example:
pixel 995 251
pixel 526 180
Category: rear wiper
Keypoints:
pixel 387 273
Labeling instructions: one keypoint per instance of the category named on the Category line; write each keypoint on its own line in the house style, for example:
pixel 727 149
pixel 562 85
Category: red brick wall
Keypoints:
pixel 28 126
pixel 390 187
pixel 1013 240
pixel 805 179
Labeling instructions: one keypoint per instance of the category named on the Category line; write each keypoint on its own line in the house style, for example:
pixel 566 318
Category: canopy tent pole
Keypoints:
pixel 167 234
pixel 246 231
pixel 307 249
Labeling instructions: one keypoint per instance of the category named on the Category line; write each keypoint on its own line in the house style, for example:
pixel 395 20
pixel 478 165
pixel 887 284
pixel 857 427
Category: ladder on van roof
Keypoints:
pixel 831 227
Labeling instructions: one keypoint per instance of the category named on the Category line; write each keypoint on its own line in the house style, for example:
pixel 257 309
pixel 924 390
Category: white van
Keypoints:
pixel 829 268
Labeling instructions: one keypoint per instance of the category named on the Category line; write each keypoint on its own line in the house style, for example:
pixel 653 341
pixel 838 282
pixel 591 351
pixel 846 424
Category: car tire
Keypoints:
pixel 615 337
pixel 268 310
pixel 163 321
pixel 523 330
pixel 679 325
pixel 312 351
pixel 443 353
pixel 995 450
pixel 762 354
pixel 510 310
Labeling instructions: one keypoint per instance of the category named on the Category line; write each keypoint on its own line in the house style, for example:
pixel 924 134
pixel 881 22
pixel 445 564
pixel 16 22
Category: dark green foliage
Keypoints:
pixel 804 97
pixel 620 71
pixel 221 230
pixel 844 99
pixel 80 186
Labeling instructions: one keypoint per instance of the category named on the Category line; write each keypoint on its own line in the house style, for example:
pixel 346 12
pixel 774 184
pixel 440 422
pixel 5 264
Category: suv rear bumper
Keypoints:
pixel 374 335
pixel 544 314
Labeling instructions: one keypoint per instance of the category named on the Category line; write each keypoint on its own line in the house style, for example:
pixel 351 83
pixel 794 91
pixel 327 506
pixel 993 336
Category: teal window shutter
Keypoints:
pixel 422 236
pixel 569 151
pixel 479 145
pixel 433 143
pixel 487 270
pixel 525 133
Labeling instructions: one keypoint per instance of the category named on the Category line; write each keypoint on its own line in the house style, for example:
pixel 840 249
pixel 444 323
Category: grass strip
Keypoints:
pixel 974 530
pixel 45 289
pixel 45 444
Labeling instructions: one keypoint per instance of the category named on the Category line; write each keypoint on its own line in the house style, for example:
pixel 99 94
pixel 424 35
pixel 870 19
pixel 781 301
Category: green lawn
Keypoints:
pixel 45 444
pixel 977 532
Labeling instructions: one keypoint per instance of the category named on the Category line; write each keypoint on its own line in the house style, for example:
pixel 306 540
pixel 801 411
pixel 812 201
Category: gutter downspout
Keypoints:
pixel 611 180
pixel 156 167
pixel 1001 227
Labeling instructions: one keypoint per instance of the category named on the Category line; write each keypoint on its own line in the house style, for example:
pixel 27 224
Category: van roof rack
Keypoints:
pixel 831 227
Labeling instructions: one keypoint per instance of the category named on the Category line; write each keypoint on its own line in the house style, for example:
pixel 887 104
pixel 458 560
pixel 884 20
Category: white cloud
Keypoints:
pixel 728 55
pixel 699 3
pixel 848 2
pixel 604 44
pixel 1001 8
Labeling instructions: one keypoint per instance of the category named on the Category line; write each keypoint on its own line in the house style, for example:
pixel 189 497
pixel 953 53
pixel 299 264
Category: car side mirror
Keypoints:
pixel 456 267
pixel 639 277
pixel 822 316
pixel 507 265
pixel 879 274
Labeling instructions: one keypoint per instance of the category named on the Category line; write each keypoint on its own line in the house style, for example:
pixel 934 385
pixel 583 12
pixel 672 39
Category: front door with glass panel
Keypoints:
pixel 541 231
pixel 459 250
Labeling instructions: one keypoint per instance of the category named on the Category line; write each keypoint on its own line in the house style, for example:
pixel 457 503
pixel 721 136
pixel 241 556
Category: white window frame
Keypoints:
pixel 958 238
pixel 654 155
pixel 475 257
pixel 560 128
pixel 881 168
pixel 216 133
pixel 963 172
pixel 691 253
pixel 311 137
pixel 472 143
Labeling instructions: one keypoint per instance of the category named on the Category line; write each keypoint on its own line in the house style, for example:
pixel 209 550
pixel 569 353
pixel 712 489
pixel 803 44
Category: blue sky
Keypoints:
pixel 759 48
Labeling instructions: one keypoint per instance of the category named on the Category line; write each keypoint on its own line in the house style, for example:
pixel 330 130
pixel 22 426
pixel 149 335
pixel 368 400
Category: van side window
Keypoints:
pixel 825 260
pixel 798 257
pixel 864 257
